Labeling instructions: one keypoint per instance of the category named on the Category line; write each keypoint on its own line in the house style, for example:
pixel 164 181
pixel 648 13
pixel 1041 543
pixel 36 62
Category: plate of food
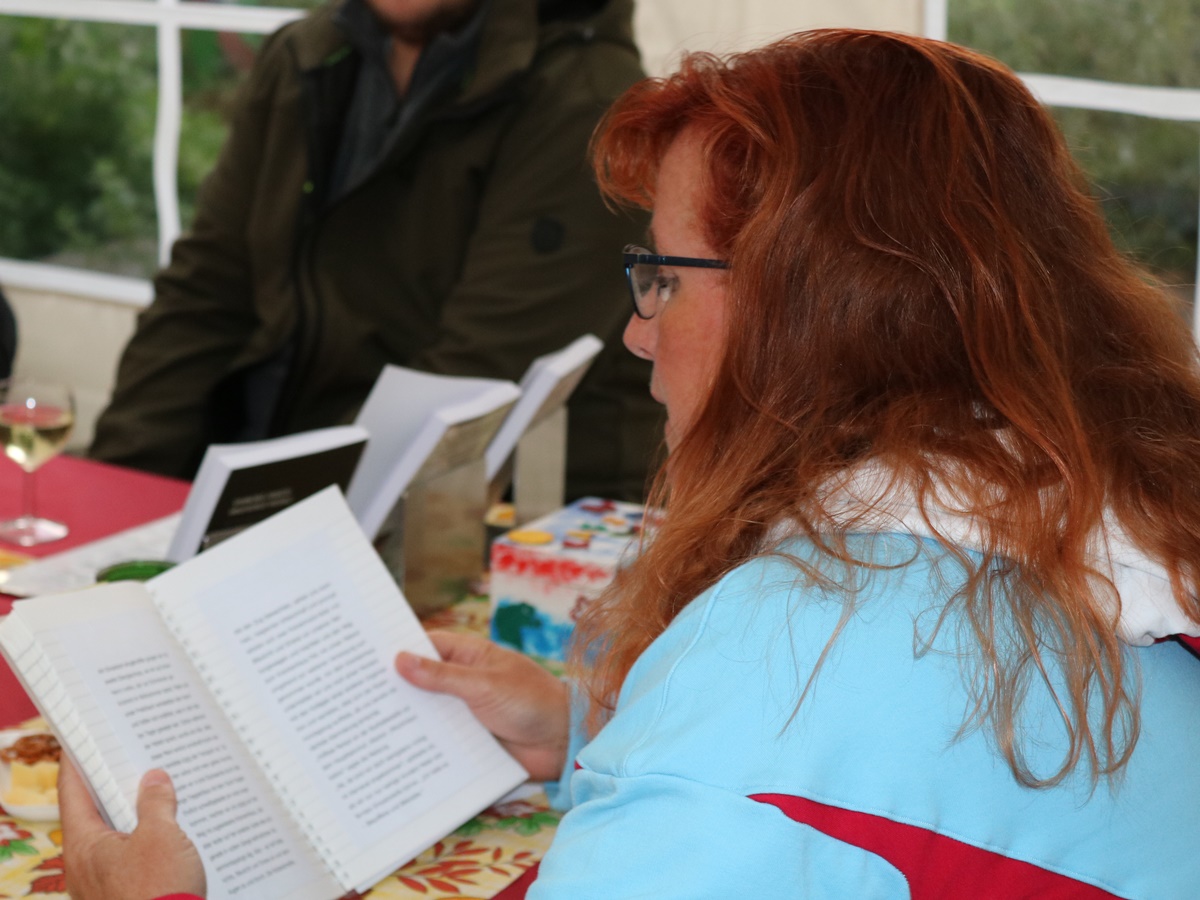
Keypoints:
pixel 29 774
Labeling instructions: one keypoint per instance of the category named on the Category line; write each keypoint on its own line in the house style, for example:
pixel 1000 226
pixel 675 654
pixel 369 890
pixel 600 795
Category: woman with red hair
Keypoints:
pixel 908 627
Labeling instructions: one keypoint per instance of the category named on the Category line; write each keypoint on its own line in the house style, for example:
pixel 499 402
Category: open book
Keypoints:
pixel 259 675
pixel 421 424
pixel 545 387
pixel 240 484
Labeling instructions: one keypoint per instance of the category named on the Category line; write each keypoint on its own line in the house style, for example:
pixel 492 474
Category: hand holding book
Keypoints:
pixel 521 703
pixel 525 707
pixel 156 860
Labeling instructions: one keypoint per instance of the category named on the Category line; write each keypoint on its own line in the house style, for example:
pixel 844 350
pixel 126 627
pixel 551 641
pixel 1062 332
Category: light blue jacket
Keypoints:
pixel 663 798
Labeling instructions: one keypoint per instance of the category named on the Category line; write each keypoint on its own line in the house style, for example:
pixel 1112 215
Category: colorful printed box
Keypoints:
pixel 544 573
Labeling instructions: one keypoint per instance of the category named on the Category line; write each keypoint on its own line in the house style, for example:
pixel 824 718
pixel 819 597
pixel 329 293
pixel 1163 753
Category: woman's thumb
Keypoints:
pixel 437 676
pixel 156 797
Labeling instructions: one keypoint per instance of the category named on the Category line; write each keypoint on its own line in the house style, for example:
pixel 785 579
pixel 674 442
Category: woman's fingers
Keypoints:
pixel 79 813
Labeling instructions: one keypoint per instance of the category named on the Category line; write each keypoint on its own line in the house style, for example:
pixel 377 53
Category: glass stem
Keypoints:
pixel 30 494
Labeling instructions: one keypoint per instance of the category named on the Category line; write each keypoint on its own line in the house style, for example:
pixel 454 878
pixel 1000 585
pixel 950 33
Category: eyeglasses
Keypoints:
pixel 648 287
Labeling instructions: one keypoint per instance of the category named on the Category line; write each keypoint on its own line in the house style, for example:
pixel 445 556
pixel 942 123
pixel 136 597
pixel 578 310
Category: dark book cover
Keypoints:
pixel 254 493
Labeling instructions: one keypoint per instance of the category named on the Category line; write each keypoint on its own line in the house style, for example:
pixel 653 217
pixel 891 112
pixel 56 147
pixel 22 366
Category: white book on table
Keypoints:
pixel 240 484
pixel 76 568
pixel 545 386
pixel 418 422
pixel 259 675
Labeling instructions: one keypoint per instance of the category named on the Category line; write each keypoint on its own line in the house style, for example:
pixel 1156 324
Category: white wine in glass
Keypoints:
pixel 35 422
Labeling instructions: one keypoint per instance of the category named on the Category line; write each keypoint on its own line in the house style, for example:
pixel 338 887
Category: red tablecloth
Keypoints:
pixel 94 500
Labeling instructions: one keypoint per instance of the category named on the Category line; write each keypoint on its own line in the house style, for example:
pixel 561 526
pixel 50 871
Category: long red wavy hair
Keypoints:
pixel 919 276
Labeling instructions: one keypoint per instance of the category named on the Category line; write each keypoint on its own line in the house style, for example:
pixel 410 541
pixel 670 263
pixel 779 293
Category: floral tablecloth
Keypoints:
pixel 476 862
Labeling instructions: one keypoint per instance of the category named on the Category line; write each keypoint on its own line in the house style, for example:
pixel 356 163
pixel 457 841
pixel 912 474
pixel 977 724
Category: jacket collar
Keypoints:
pixel 318 41
pixel 867 498
pixel 516 30
pixel 512 36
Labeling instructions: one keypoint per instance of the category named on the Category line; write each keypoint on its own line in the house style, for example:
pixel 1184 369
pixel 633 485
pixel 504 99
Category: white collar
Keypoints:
pixel 865 498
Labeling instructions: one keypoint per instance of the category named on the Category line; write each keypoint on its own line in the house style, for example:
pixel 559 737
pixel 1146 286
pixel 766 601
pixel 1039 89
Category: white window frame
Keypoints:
pixel 170 18
pixel 1173 104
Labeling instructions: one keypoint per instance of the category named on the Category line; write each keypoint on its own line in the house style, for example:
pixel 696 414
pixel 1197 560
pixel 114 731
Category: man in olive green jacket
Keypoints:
pixel 396 195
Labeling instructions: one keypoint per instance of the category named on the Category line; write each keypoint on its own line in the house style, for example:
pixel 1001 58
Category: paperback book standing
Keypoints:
pixel 412 425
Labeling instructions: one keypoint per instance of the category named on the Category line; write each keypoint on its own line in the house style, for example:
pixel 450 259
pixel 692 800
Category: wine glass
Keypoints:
pixel 35 422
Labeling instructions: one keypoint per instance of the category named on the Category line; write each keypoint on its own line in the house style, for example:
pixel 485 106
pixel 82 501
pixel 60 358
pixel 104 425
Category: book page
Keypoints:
pixel 294 624
pixel 112 681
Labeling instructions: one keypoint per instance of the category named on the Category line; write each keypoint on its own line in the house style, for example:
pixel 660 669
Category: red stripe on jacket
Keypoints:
pixel 935 866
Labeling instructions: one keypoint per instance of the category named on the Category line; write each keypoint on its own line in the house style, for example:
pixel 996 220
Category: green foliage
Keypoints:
pixel 1153 42
pixel 77 103
pixel 210 85
pixel 1146 172
pixel 76 151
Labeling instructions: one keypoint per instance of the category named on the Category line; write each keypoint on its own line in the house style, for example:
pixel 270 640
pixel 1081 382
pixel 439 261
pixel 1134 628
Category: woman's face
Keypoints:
pixel 686 338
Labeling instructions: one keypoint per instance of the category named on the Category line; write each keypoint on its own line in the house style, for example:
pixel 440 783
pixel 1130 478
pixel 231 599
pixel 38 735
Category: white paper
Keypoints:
pixel 76 568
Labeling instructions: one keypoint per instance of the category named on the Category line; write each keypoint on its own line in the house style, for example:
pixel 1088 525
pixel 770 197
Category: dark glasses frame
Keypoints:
pixel 638 256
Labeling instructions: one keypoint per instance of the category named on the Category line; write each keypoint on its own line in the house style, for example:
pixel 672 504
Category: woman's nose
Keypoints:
pixel 641 336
